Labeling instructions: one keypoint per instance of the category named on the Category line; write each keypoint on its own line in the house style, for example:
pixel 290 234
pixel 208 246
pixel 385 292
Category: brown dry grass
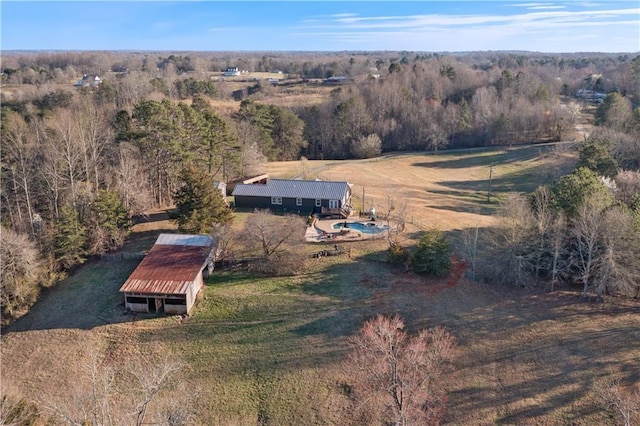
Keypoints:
pixel 446 190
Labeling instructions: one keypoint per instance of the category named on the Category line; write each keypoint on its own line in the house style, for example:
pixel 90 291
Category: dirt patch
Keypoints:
pixel 430 285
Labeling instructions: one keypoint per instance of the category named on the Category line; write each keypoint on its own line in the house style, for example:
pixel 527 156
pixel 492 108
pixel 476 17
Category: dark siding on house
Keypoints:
pixel 252 202
pixel 288 204
pixel 258 196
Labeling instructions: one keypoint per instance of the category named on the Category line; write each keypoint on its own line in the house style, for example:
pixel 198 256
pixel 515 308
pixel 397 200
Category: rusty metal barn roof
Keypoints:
pixel 171 265
pixel 314 189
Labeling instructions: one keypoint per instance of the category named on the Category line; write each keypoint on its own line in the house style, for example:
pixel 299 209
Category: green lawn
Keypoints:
pixel 261 346
pixel 269 350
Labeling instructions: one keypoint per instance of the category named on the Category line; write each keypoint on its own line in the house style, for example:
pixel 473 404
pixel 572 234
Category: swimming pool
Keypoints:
pixel 364 227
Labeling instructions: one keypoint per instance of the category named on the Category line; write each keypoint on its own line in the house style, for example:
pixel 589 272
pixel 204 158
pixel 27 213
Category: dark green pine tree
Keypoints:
pixel 595 156
pixel 69 241
pixel 433 255
pixel 109 223
pixel 200 206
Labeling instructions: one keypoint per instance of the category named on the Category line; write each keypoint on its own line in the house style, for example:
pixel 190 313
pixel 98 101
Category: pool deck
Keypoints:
pixel 321 231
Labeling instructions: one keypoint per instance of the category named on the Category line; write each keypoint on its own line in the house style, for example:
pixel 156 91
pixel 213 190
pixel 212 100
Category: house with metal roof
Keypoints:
pixel 295 196
pixel 171 275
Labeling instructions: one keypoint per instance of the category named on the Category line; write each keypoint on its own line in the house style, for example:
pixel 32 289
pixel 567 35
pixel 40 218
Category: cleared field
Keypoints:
pixel 447 190
pixel 269 351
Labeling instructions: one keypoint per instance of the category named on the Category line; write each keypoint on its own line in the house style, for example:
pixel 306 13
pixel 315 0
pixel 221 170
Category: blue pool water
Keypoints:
pixel 365 228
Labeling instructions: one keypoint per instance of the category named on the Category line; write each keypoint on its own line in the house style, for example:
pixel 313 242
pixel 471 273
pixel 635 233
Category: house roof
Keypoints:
pixel 316 189
pixel 171 265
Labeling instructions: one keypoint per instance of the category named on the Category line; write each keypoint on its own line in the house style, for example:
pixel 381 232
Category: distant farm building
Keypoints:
pixel 258 179
pixel 171 275
pixel 338 79
pixel 231 72
pixel 591 96
pixel 296 196
pixel 88 80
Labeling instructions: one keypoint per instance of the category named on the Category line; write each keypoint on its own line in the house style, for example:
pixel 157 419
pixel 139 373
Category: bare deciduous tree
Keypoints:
pixel 225 235
pixel 470 249
pixel 104 395
pixel 618 263
pixel 277 239
pixel 19 150
pixel 251 159
pixel 400 377
pixel 587 233
pixel 150 378
pixel 366 146
pixel 21 267
pixel 90 399
pixel 557 248
pixel 15 411
pixel 624 403
pixel 511 253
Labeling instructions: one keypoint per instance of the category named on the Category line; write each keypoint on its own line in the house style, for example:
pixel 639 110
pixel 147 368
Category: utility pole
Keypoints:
pixel 363 200
pixel 490 180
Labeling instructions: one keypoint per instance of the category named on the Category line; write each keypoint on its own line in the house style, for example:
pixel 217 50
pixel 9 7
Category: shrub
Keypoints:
pixel 432 256
pixel 398 256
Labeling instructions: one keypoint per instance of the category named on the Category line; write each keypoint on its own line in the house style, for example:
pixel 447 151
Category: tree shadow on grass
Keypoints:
pixel 486 157
pixel 142 241
pixel 560 371
pixel 523 180
pixel 87 299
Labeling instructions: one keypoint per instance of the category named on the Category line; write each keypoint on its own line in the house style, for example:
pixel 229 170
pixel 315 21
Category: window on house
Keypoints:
pixel 276 200
pixel 298 201
pixel 318 202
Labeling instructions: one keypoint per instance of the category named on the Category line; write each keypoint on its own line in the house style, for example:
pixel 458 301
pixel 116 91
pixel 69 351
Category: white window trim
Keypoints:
pixel 298 201
pixel 276 200
pixel 318 202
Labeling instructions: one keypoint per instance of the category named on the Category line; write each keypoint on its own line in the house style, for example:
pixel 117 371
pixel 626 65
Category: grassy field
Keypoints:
pixel 269 351
pixel 447 190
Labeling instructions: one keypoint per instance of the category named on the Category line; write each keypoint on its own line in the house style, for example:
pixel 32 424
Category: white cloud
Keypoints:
pixel 540 30
pixel 537 6
pixel 356 22
pixel 546 7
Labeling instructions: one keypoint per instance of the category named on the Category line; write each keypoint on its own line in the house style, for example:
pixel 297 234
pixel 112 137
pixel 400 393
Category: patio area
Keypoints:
pixel 350 229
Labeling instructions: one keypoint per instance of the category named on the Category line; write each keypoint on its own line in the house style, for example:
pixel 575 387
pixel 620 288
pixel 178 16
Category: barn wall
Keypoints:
pixel 192 291
pixel 175 309
pixel 137 307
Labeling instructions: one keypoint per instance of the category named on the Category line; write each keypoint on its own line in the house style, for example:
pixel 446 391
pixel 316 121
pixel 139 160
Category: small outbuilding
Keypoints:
pixel 295 196
pixel 171 275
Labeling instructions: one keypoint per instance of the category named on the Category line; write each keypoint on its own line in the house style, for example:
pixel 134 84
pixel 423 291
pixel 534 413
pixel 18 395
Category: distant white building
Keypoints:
pixel 231 72
pixel 88 80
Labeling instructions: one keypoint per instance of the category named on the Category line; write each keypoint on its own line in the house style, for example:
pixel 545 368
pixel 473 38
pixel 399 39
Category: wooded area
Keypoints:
pixel 79 162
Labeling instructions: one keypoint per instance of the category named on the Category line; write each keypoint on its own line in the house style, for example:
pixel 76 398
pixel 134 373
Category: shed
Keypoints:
pixel 296 196
pixel 171 275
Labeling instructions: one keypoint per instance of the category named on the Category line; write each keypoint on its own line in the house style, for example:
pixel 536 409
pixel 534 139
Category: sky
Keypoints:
pixel 421 26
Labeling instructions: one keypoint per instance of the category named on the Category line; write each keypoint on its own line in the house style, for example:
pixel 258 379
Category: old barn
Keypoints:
pixel 171 275
pixel 295 196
